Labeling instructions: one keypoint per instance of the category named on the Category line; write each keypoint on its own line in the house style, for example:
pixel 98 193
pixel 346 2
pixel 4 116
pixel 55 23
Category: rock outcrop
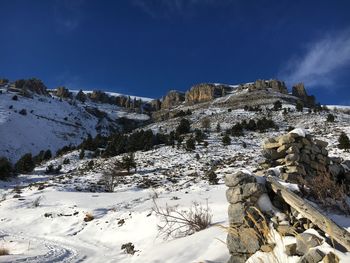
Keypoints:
pixel 63 92
pixel 172 99
pixel 81 96
pixel 205 92
pixel 299 91
pixel 29 86
pixel 275 85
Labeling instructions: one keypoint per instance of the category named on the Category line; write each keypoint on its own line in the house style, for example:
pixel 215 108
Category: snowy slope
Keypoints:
pixel 50 123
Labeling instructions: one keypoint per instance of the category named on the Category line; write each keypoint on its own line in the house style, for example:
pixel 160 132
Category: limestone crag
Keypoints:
pixel 63 92
pixel 172 99
pixel 299 91
pixel 275 85
pixel 27 87
pixel 205 92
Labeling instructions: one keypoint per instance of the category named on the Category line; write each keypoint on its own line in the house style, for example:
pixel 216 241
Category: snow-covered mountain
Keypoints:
pixel 69 215
pixel 29 124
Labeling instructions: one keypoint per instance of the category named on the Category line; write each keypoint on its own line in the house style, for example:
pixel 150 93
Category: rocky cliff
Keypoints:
pixel 299 91
pixel 205 92
pixel 173 98
pixel 275 85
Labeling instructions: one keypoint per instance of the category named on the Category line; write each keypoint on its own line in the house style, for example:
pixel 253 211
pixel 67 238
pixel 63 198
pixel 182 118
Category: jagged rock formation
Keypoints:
pixel 172 99
pixel 99 96
pixel 205 92
pixel 273 84
pixel 3 82
pixel 299 91
pixel 155 105
pixel 28 86
pixel 81 96
pixel 63 92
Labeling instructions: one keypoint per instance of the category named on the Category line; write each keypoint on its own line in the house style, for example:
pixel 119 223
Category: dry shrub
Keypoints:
pixel 326 191
pixel 4 251
pixel 180 223
pixel 112 177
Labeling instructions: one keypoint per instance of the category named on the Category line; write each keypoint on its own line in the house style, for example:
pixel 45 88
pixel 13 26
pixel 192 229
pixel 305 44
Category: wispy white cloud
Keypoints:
pixel 167 8
pixel 68 14
pixel 322 63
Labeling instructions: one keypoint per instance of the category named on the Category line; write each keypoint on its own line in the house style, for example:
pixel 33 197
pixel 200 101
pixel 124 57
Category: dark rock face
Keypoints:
pixel 299 91
pixel 81 96
pixel 173 98
pixel 205 92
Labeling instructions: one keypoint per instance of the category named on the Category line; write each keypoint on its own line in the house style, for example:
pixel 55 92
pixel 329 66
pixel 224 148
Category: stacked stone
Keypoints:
pixel 242 194
pixel 299 154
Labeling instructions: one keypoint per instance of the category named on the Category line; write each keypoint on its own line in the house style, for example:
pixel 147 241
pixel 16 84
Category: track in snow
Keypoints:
pixel 53 252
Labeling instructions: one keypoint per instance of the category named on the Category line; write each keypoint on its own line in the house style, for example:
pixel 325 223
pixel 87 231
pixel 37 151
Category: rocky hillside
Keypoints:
pixel 258 93
pixel 33 118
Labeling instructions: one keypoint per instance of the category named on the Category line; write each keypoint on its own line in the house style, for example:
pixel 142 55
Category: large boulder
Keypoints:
pixel 306 241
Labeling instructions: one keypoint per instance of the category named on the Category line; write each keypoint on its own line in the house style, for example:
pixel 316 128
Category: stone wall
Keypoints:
pixel 242 194
pixel 299 155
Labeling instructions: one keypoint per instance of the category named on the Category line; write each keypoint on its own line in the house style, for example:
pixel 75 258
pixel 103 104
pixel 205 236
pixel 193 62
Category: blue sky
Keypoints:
pixel 147 47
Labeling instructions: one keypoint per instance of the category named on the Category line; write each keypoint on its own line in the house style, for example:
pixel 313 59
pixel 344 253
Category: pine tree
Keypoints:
pixel 82 154
pixel 129 162
pixel 299 107
pixel 5 168
pixel 218 127
pixel 25 164
pixel 344 142
pixel 212 177
pixel 190 144
pixel 184 127
pixel 47 155
pixel 277 105
pixel 330 117
pixel 226 140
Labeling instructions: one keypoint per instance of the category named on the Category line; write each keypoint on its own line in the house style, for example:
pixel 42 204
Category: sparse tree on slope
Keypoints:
pixel 129 162
pixel 344 142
